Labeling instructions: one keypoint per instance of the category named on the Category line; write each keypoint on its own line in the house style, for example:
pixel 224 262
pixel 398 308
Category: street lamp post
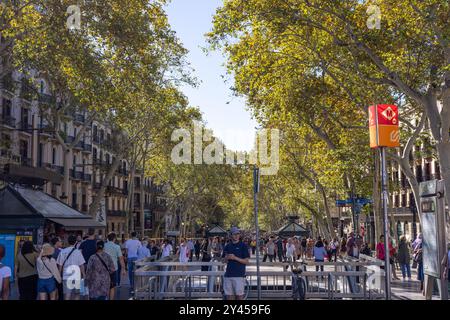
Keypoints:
pixel 255 200
pixel 384 193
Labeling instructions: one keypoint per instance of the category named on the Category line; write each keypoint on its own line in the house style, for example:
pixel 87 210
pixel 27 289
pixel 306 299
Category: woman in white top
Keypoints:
pixel 183 251
pixel 48 273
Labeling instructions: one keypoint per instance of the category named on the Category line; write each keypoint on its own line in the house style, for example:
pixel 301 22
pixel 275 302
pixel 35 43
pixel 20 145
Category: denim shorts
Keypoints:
pixel 46 285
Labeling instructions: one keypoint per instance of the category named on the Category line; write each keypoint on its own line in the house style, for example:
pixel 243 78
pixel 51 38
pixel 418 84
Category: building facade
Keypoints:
pixel 28 142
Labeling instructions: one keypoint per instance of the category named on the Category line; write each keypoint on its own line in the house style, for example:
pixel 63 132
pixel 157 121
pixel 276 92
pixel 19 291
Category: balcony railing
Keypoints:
pixel 9 156
pixel 79 145
pixel 46 98
pixel 26 162
pixel 87 147
pixel 79 118
pixel 26 127
pixel 87 177
pixel 69 139
pixel 76 174
pixel 96 139
pixel 8 83
pixel 117 213
pixel 8 121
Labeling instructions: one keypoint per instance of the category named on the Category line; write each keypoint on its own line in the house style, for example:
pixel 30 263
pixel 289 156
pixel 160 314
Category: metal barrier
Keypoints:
pixel 175 280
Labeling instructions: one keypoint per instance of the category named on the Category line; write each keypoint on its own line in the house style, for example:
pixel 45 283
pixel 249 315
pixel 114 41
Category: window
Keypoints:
pixel 41 154
pixel 419 174
pixel 427 171
pixel 437 171
pixel 54 156
pixel 24 149
pixel 42 86
pixel 404 200
pixel 112 226
pixel 94 133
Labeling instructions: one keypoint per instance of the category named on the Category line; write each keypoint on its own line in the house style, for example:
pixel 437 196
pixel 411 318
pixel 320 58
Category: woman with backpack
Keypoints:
pixel 48 273
pixel 26 272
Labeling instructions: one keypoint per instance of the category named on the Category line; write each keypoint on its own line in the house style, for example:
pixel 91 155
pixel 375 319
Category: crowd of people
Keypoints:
pixel 91 267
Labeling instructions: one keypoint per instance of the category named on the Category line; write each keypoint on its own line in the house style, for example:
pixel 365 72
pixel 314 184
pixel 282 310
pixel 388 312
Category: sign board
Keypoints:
pixel 173 233
pixel 430 245
pixel 101 212
pixel 383 126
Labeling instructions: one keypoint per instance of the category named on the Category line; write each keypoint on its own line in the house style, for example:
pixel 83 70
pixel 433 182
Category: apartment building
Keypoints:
pixel 425 167
pixel 30 154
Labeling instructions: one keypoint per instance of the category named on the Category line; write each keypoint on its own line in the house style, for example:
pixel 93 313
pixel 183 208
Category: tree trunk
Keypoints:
pixel 443 149
pixel 329 221
pixel 377 214
pixel 101 193
pixel 130 220
pixel 66 180
pixel 142 203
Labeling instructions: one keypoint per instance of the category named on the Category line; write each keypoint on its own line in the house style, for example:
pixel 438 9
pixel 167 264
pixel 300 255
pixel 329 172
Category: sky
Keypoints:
pixel 224 113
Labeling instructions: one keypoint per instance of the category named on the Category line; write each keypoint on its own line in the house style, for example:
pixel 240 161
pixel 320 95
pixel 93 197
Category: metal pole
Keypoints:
pixel 384 204
pixel 255 200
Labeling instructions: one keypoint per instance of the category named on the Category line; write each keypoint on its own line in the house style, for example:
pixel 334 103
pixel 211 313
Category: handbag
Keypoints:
pixel 112 275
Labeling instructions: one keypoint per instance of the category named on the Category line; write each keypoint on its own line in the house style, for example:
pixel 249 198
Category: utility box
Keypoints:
pixel 432 208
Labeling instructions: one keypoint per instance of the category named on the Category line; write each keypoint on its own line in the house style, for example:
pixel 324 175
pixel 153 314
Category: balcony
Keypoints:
pixel 97 186
pixel 76 174
pixel 116 213
pixel 79 145
pixel 27 91
pixel 122 171
pixel 96 139
pixel 69 139
pixel 78 118
pixel 25 127
pixel 8 83
pixel 9 121
pixel 44 98
pixel 84 208
pixel 87 178
pixel 87 147
pixel 26 162
pixel 125 192
pixel 7 156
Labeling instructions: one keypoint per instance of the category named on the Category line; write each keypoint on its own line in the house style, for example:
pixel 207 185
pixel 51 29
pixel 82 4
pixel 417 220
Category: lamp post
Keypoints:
pixel 255 200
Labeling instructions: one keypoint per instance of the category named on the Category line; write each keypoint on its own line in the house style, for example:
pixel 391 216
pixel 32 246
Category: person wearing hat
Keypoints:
pixel 237 257
pixel 48 273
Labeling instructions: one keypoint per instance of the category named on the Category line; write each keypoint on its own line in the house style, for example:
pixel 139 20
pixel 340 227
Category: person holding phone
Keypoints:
pixel 237 256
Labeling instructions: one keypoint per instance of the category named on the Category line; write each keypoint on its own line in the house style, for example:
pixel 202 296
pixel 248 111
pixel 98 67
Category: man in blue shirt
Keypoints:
pixel 237 257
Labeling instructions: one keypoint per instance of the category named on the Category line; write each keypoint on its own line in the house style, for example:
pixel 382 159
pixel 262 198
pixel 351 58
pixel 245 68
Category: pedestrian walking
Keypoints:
pixel 404 258
pixel 5 275
pixel 183 251
pixel 381 255
pixel 100 274
pixel 270 247
pixel 71 260
pixel 89 245
pixel 132 246
pixel 418 259
pixel 206 255
pixel 446 266
pixel 114 251
pixel 334 246
pixel 343 247
pixel 197 247
pixel 48 273
pixel 303 244
pixel 143 251
pixel 319 253
pixel 166 249
pixel 26 272
pixel 280 249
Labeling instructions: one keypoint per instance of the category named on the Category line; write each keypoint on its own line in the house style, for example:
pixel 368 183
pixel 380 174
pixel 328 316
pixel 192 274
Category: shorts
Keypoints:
pixel 73 289
pixel 46 285
pixel 234 286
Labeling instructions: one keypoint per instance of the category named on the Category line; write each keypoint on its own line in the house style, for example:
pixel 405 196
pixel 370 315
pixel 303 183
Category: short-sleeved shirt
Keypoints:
pixel 114 252
pixel 5 272
pixel 236 269
pixel 132 246
pixel 75 259
pixel 88 247
pixel 26 269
